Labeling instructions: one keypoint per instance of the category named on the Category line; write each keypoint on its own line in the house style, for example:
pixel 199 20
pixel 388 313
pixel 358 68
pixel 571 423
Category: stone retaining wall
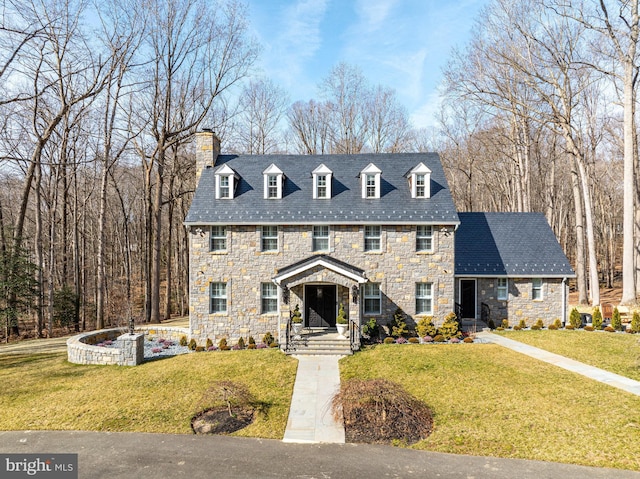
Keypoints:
pixel 82 349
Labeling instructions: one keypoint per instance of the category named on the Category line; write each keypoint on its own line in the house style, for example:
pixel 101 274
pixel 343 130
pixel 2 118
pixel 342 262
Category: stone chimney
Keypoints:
pixel 207 150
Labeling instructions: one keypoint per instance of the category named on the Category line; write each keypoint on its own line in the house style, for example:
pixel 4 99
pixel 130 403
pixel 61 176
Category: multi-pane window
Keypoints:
pixel 502 288
pixel 420 186
pixel 424 238
pixel 372 238
pixel 322 186
pixel 536 290
pixel 424 298
pixel 269 295
pixel 269 238
pixel 272 186
pixel 321 238
pixel 218 298
pixel 224 187
pixel 218 238
pixel 371 186
pixel 372 300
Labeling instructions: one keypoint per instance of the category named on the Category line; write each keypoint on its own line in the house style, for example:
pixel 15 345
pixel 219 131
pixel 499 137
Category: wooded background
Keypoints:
pixel 99 105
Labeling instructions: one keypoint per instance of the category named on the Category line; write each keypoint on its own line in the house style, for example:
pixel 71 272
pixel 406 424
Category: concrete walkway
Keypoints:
pixel 310 416
pixel 591 372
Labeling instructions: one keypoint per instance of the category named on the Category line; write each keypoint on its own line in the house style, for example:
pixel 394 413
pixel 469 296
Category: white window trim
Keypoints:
pixel 225 297
pixel 425 236
pixel 212 237
pixel 263 297
pixel 376 173
pixel 273 171
pixel 540 288
pixel 365 237
pixel 322 171
pixel 502 289
pixel 423 170
pixel 225 172
pixel 428 296
pixel 377 297
pixel 314 237
pixel 262 237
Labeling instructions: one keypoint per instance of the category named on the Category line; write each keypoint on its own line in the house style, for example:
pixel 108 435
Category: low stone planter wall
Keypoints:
pixel 82 349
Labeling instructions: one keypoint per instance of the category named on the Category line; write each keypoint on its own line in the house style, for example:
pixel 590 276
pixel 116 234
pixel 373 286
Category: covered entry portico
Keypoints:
pixel 318 285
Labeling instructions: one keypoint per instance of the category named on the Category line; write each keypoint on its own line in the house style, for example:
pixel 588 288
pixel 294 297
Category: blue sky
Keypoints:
pixel 398 43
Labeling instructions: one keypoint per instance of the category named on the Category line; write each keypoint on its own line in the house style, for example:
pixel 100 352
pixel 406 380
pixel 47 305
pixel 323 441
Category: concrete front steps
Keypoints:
pixel 320 342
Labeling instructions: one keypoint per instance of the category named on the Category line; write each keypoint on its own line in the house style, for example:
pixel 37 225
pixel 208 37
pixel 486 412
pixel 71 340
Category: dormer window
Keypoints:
pixel 273 180
pixel 420 181
pixel 226 180
pixel 322 182
pixel 370 178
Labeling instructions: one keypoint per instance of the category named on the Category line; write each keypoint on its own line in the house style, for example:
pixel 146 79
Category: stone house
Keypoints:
pixel 373 232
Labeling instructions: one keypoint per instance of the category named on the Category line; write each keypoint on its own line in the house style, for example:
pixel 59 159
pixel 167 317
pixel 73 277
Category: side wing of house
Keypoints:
pixel 510 266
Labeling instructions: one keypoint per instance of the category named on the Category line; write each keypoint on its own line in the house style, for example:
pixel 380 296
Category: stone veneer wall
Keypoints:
pixel 82 349
pixel 244 267
pixel 519 304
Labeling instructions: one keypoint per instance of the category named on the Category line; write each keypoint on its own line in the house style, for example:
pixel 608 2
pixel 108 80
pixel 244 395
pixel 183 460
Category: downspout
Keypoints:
pixel 564 301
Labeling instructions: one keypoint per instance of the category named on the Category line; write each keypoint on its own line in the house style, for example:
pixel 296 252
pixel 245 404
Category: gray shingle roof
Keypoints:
pixel 346 205
pixel 508 244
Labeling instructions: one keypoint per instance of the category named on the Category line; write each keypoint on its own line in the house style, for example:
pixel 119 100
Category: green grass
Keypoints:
pixel 618 353
pixel 491 401
pixel 44 391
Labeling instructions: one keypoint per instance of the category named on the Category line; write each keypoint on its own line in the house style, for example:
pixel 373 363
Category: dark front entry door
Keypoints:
pixel 320 306
pixel 468 298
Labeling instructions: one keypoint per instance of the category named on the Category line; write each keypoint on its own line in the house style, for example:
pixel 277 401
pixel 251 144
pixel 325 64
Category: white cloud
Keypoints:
pixel 425 115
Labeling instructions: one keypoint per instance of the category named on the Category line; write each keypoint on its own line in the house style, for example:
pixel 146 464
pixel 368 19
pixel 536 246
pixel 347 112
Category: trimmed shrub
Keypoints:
pixel 589 328
pixel 425 327
pixel 267 338
pixel 557 323
pixel 596 318
pixel 401 340
pixel 414 340
pixel 449 328
pixel 616 321
pixel 535 327
pixel 468 340
pixel 241 343
pixel 398 325
pixel 491 324
pixel 389 340
pixel 454 340
pixel 522 324
pixel 635 322
pixel 427 339
pixel 517 327
pixel 552 327
pixel 183 340
pixel 569 327
pixel 539 323
pixel 199 349
pixel 192 344
pixel 252 346
pixel 273 345
pixel 209 344
pixel 499 328
pixel 505 323
pixel 439 338
pixel 222 344
pixel 610 329
pixel 252 341
pixel 574 319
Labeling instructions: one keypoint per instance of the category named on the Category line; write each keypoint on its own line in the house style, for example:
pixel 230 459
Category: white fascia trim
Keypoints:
pixel 321 262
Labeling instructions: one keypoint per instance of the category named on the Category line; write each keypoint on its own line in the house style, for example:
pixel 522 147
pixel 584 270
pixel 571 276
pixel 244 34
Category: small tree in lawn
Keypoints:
pixel 635 322
pixel 596 318
pixel 616 321
pixel 398 325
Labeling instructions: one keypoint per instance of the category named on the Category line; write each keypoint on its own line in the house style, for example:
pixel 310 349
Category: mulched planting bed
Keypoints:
pixel 218 420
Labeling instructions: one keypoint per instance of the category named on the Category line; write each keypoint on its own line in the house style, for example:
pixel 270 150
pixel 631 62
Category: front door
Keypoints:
pixel 468 298
pixel 320 306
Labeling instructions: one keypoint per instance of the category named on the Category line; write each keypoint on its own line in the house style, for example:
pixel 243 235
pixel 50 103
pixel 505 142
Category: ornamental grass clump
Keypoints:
pixel 378 411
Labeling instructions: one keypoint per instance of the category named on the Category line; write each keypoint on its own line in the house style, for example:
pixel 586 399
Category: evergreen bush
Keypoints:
pixel 574 319
pixel 596 318
pixel 449 328
pixel 398 325
pixel 505 323
pixel 192 344
pixel 616 321
pixel 425 327
pixel 635 322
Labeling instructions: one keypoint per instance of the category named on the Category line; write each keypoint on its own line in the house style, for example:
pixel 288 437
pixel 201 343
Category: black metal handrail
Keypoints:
pixel 354 335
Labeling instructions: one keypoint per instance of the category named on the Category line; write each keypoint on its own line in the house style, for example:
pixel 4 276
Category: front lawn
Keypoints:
pixel 491 401
pixel 44 391
pixel 615 352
